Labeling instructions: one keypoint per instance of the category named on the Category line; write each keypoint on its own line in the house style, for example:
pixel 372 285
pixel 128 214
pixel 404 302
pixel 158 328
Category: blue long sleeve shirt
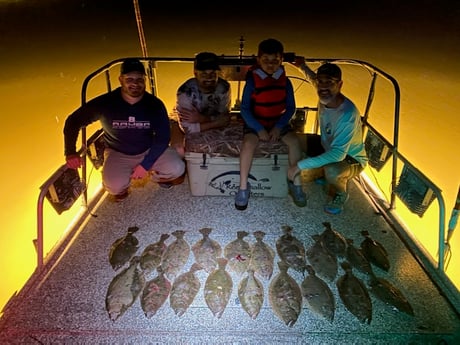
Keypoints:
pixel 128 128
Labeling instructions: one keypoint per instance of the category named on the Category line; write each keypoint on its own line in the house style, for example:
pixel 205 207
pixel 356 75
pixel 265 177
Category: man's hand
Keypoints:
pixel 191 115
pixel 73 161
pixel 139 172
pixel 299 61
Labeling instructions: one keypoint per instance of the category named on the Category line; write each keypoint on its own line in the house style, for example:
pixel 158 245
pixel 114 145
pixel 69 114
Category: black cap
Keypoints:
pixel 132 65
pixel 205 61
pixel 330 70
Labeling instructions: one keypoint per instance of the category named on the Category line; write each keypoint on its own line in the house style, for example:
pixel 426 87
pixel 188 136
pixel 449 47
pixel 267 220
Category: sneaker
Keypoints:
pixel 172 183
pixel 335 206
pixel 165 185
pixel 298 195
pixel 242 198
pixel 120 197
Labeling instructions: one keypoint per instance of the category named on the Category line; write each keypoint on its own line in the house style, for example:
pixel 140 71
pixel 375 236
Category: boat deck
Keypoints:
pixel 66 303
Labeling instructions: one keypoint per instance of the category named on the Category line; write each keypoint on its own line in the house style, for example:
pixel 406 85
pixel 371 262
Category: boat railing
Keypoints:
pixel 236 66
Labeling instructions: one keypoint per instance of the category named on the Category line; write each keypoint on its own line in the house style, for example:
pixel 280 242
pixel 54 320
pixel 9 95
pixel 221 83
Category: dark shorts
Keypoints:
pixel 314 148
pixel 286 129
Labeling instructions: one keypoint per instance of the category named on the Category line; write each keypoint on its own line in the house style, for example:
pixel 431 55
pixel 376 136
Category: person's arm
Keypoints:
pixel 80 118
pixel 300 63
pixel 339 146
pixel 222 117
pixel 162 133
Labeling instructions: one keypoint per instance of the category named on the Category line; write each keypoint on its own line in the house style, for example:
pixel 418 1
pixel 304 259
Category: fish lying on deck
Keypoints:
pixel 322 261
pixel 206 251
pixel 375 252
pixel 176 255
pixel 124 289
pixel 354 295
pixel 218 288
pixel 333 240
pixel 285 296
pixel 356 258
pixel 184 290
pixel 152 254
pixel 154 294
pixel 238 253
pixel 123 249
pixel 317 295
pixel 291 250
pixel 262 257
pixel 390 294
pixel 251 294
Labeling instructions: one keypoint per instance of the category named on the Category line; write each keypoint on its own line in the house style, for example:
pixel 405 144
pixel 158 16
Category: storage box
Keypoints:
pixel 215 175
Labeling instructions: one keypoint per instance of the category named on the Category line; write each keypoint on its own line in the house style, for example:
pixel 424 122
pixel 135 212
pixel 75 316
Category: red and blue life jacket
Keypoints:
pixel 268 101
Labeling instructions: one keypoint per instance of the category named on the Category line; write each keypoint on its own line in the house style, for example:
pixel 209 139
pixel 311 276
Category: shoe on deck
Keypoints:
pixel 298 195
pixel 242 198
pixel 172 183
pixel 120 197
pixel 165 185
pixel 335 206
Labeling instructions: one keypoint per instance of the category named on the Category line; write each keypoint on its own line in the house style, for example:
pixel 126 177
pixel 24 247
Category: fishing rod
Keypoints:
pixel 143 43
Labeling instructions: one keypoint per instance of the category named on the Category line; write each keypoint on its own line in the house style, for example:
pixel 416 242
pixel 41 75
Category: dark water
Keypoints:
pixel 48 47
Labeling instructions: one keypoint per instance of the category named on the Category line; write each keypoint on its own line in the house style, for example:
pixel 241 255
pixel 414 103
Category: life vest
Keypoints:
pixel 268 100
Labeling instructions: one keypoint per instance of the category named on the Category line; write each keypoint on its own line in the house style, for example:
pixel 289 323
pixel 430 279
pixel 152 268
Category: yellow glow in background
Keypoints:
pixel 42 85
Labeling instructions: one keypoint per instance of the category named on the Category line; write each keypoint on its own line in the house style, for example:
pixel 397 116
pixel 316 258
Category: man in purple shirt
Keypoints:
pixel 136 132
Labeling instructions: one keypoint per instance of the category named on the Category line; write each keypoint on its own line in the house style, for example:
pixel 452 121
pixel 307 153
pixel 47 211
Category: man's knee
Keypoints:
pixel 115 184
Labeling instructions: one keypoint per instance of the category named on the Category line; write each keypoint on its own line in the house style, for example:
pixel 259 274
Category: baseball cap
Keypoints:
pixel 132 65
pixel 205 61
pixel 330 70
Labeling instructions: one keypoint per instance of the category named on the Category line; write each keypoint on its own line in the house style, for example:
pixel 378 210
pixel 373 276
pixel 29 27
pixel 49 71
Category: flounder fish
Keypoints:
pixel 154 294
pixel 357 259
pixel 262 257
pixel 285 296
pixel 123 249
pixel 390 294
pixel 184 290
pixel 206 251
pixel 251 294
pixel 354 295
pixel 238 253
pixel 317 295
pixel 375 252
pixel 333 240
pixel 124 289
pixel 322 261
pixel 291 250
pixel 176 255
pixel 152 254
pixel 218 288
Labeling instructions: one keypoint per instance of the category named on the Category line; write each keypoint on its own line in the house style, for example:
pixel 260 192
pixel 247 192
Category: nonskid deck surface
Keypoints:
pixel 68 304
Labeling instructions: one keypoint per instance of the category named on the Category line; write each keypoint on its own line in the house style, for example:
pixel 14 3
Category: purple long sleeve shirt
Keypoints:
pixel 128 128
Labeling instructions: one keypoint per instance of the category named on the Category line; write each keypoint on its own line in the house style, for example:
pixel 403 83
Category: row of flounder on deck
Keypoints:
pixel 255 264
